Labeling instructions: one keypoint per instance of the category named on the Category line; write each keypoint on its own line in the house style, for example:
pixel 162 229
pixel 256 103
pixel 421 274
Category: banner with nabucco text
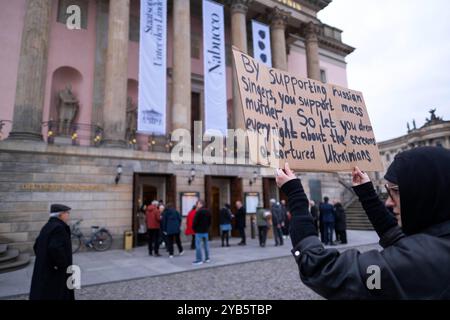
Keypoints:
pixel 214 67
pixel 152 67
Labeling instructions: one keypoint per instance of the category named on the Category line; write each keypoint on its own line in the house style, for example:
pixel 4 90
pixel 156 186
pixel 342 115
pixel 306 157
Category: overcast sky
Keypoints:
pixel 402 58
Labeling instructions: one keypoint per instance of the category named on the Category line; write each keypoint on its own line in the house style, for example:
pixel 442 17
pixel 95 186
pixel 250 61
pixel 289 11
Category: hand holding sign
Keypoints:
pixel 285 175
pixel 359 177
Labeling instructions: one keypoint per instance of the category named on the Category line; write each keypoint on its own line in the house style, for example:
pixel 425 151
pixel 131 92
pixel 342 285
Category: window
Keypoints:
pixel 195 114
pixel 134 32
pixel 195 46
pixel 323 76
pixel 62 11
pixel 228 54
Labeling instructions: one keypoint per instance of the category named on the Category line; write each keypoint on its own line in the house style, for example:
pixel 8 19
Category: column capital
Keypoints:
pixel 279 18
pixel 240 6
pixel 310 31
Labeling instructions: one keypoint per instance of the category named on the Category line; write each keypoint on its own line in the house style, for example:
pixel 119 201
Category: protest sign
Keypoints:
pixel 311 125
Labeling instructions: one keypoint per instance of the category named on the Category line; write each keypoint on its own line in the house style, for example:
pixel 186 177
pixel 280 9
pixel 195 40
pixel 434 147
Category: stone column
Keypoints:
pixel 239 10
pixel 181 112
pixel 31 76
pixel 278 22
pixel 114 109
pixel 312 51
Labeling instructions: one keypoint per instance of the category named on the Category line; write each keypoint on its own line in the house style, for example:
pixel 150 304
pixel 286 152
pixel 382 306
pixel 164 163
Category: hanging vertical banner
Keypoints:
pixel 152 67
pixel 214 67
pixel 261 43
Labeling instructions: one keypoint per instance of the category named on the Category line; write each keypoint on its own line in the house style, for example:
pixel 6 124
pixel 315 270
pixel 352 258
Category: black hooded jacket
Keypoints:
pixel 423 177
pixel 414 262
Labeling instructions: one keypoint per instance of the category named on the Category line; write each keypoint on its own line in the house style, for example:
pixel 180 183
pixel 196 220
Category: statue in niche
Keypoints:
pixel 68 106
pixel 131 119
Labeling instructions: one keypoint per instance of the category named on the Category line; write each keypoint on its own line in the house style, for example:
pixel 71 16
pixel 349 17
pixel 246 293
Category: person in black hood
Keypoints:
pixel 416 246
pixel 422 176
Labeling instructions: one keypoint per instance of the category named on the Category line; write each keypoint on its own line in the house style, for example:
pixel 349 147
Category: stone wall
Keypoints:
pixel 35 175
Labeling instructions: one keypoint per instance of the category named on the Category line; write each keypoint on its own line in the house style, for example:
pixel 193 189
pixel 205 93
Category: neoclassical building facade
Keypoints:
pixel 69 99
pixel 435 132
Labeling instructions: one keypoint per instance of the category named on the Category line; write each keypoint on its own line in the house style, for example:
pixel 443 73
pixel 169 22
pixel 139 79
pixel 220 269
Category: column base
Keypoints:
pixel 121 144
pixel 28 136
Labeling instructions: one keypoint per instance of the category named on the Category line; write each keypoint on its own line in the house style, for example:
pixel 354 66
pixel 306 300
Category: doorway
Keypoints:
pixel 220 190
pixel 146 188
pixel 271 191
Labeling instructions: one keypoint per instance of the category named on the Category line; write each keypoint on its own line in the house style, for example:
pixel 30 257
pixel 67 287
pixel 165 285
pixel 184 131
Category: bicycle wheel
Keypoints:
pixel 102 240
pixel 76 243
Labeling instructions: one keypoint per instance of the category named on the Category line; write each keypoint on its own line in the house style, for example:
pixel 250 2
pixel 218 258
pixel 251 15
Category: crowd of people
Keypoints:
pixel 329 218
pixel 164 225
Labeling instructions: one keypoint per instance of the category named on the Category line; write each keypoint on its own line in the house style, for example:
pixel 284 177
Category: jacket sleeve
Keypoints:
pixel 384 223
pixel 56 249
pixel 301 224
pixel 350 274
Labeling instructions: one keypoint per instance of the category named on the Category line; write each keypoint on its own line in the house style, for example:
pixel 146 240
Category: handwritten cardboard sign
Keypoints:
pixel 311 125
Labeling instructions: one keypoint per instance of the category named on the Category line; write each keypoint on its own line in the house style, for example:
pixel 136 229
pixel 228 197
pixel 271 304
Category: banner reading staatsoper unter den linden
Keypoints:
pixel 311 125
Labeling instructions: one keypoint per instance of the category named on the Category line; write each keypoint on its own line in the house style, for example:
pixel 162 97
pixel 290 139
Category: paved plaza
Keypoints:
pixel 235 272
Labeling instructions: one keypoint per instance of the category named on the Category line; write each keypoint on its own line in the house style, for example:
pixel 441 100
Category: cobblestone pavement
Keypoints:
pixel 274 279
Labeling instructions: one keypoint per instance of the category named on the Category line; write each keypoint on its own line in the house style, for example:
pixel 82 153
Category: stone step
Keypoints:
pixel 20 262
pixel 9 255
pixel 3 249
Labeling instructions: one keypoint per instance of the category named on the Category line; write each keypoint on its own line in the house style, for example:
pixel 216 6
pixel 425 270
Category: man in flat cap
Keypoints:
pixel 53 249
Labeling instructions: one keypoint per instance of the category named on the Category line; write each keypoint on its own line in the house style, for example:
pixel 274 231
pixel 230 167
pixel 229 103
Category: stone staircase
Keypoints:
pixel 12 259
pixel 356 217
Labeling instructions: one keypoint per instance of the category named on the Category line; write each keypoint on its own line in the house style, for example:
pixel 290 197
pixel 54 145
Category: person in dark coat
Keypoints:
pixel 327 216
pixel 241 216
pixel 171 228
pixel 278 222
pixel 284 211
pixel 315 214
pixel 53 249
pixel 201 225
pixel 340 226
pixel 225 217
pixel 413 263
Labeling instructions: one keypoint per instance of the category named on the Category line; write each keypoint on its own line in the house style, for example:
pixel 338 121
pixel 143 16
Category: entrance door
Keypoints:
pixel 148 187
pixel 271 191
pixel 149 193
pixel 236 194
pixel 218 191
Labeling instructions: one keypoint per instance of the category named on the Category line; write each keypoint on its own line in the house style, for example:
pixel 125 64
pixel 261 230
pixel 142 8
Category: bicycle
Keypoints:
pixel 100 240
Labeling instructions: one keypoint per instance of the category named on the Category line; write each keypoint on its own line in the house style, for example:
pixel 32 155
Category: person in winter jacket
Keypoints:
pixel 278 222
pixel 189 221
pixel 241 216
pixel 340 225
pixel 171 228
pixel 225 217
pixel 327 216
pixel 202 222
pixel 53 249
pixel 153 218
pixel 416 239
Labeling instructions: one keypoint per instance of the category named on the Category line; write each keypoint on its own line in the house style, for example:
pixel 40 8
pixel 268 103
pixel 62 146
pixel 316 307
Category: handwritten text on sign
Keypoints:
pixel 311 125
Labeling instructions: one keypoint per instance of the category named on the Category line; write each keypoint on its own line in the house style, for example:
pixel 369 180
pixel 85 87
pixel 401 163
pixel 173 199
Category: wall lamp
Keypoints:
pixel 119 173
pixel 192 176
